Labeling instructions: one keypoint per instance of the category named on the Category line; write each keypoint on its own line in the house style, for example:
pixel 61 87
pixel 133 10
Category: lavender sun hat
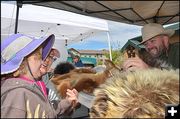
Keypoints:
pixel 18 46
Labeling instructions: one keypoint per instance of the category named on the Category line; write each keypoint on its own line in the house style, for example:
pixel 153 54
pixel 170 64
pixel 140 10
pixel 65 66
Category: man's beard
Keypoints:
pixel 157 62
pixel 154 52
pixel 157 53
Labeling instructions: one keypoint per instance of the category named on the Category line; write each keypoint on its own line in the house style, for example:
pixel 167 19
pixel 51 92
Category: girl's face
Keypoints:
pixel 35 60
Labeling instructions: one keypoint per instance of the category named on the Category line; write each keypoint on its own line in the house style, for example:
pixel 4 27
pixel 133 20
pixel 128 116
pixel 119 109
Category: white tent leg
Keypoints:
pixel 109 44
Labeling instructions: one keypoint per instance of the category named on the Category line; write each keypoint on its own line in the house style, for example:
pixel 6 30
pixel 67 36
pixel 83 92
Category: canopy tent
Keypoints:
pixel 40 21
pixel 131 12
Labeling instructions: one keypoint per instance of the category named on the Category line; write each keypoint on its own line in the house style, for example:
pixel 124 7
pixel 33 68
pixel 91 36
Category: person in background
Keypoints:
pixel 47 73
pixel 23 93
pixel 77 61
pixel 156 42
pixel 63 68
pixel 80 111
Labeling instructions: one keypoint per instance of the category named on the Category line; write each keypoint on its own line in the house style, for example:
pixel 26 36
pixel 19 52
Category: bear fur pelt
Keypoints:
pixel 138 94
pixel 83 79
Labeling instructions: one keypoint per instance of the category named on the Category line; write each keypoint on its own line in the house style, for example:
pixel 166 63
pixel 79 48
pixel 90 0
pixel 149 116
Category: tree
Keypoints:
pixel 117 56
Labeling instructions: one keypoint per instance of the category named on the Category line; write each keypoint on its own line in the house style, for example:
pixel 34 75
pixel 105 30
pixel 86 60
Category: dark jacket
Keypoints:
pixel 79 64
pixel 172 56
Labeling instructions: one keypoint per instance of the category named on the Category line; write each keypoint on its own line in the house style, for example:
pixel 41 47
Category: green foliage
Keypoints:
pixel 99 62
pixel 117 56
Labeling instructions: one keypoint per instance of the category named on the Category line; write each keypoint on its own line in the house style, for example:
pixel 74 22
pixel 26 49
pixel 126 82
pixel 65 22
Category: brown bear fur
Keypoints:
pixel 83 79
pixel 139 94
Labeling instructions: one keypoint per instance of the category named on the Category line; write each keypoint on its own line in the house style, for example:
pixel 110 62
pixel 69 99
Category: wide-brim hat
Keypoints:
pixel 18 46
pixel 153 29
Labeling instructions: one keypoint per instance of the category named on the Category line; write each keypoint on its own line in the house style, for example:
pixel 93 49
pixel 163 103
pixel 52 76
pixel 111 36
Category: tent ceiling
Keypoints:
pixel 38 21
pixel 65 25
pixel 131 12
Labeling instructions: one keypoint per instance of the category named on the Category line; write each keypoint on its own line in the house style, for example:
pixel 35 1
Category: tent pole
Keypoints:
pixel 19 5
pixel 109 44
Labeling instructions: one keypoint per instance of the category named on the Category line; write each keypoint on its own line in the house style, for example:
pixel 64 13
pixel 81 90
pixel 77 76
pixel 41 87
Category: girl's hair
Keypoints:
pixel 23 67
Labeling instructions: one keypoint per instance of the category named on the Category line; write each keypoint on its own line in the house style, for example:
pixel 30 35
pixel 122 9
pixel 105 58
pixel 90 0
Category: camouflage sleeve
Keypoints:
pixel 50 74
pixel 64 107
pixel 52 95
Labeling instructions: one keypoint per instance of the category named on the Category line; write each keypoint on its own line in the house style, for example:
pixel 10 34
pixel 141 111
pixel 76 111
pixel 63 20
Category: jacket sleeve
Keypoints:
pixel 64 107
pixel 174 55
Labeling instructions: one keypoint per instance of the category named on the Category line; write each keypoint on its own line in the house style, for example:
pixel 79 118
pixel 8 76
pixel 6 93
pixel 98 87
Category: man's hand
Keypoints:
pixel 134 63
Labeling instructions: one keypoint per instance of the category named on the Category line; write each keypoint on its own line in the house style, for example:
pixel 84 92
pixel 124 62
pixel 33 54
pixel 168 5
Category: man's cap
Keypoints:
pixel 153 29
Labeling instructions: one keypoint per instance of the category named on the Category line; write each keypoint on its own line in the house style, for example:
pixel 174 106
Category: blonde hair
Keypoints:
pixel 139 94
pixel 23 67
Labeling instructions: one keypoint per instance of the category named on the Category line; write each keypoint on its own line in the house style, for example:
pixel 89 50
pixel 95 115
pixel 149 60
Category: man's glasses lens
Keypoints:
pixel 54 59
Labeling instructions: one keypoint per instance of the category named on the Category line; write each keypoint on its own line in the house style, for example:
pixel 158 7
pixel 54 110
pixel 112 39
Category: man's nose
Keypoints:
pixel 150 45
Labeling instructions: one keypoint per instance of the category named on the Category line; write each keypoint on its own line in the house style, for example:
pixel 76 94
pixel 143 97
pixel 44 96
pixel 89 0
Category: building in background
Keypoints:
pixel 98 54
pixel 90 58
pixel 132 47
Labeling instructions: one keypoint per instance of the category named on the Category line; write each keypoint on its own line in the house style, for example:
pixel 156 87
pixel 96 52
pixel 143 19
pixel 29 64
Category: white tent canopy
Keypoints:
pixel 40 21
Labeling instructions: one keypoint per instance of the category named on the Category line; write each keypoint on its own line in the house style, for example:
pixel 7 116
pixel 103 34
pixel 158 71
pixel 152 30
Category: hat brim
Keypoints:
pixel 168 32
pixel 14 63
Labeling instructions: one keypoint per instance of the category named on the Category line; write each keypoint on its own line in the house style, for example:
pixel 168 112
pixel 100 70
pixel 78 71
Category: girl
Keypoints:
pixel 23 94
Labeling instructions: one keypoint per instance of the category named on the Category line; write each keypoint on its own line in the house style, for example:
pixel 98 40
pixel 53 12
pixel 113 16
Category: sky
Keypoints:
pixel 119 35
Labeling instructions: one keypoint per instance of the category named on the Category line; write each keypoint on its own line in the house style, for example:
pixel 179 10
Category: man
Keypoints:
pixel 156 42
pixel 47 74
